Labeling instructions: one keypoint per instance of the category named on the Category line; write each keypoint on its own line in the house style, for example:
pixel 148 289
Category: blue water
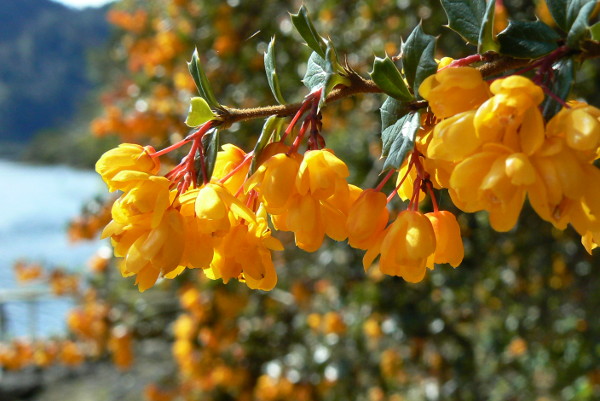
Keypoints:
pixel 36 204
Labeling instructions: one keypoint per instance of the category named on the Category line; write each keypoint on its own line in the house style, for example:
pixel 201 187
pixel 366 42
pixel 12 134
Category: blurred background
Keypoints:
pixel 516 321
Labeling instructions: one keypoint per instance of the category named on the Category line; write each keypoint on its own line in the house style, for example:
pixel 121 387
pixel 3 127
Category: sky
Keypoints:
pixel 83 3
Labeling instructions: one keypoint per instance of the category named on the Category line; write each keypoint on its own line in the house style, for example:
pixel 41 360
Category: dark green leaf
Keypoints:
pixel 316 72
pixel 271 71
pixel 526 39
pixel 564 74
pixel 417 58
pixel 201 82
pixel 321 73
pixel 270 132
pixel 308 32
pixel 580 26
pixel 401 139
pixel 595 30
pixel 465 17
pixel 387 77
pixel 210 144
pixel 558 10
pixel 199 113
pixel 574 9
pixel 486 34
pixel 391 111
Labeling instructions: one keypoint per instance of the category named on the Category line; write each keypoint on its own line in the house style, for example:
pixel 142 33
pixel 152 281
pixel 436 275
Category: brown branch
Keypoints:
pixel 358 85
pixel 494 64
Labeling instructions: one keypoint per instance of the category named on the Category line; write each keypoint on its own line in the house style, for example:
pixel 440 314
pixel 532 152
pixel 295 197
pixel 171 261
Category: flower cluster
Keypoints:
pixel 161 230
pixel 492 148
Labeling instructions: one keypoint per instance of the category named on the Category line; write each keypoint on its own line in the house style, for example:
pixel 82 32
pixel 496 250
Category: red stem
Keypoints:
pixel 433 200
pixel 198 133
pixel 385 179
pixel 237 168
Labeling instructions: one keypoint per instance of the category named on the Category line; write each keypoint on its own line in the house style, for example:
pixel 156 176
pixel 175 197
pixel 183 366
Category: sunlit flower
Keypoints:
pixel 126 157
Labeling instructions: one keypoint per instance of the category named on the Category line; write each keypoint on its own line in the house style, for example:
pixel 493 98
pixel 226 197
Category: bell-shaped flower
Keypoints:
pixel 156 251
pixel 454 138
pixel 579 126
pixel 449 246
pixel 244 253
pixel 228 159
pixel 126 157
pixel 319 174
pixel 511 117
pixel 495 180
pixel 454 90
pixel 367 218
pixel 408 243
pixel 274 180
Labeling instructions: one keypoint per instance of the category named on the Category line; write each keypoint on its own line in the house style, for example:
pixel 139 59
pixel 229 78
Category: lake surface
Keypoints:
pixel 36 204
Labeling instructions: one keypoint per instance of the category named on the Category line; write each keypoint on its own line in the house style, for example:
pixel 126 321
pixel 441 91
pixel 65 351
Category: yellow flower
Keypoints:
pixel 244 253
pixel 511 116
pixel 495 180
pixel 229 159
pixel 449 247
pixel 150 195
pixel 367 218
pixel 319 174
pixel 275 181
pixel 156 251
pixel 408 243
pixel 590 241
pixel 454 90
pixel 126 157
pixel 579 125
pixel 304 220
pixel 454 138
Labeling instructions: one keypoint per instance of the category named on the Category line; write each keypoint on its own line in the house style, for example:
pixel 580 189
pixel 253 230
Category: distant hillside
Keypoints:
pixel 43 73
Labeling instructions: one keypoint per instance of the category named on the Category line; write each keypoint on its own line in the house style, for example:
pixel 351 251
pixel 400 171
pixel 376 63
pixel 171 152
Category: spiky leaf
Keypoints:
pixel 195 68
pixel 271 71
pixel 527 39
pixel 486 41
pixel 417 58
pixel 400 139
pixel 465 17
pixel 306 29
pixel 387 77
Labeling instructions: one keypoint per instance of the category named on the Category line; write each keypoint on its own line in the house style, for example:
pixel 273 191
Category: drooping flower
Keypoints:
pixel 126 157
pixel 367 218
pixel 409 241
pixel 320 173
pixel 449 247
pixel 454 90
pixel 495 180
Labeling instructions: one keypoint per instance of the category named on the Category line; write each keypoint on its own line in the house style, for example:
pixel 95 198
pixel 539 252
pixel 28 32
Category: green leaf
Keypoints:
pixel 417 58
pixel 465 17
pixel 308 32
pixel 199 113
pixel 595 30
pixel 486 41
pixel 526 39
pixel 321 74
pixel 387 77
pixel 558 10
pixel 580 25
pixel 210 144
pixel 272 72
pixel 400 138
pixel 564 74
pixel 574 10
pixel 270 133
pixel 391 111
pixel 201 81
